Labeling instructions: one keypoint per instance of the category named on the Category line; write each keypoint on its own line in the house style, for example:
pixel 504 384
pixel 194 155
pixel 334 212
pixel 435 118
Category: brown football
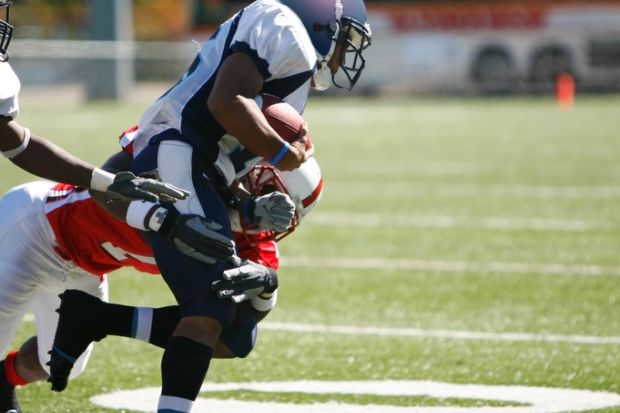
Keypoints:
pixel 283 118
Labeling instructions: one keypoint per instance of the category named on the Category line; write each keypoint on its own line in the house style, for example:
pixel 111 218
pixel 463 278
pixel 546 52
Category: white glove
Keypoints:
pixel 273 211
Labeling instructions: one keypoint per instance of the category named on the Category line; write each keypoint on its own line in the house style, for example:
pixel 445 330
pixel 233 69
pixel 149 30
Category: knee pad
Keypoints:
pixel 240 337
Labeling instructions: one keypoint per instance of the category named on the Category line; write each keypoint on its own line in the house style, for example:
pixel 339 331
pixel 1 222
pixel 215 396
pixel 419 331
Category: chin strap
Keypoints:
pixel 322 78
pixel 339 9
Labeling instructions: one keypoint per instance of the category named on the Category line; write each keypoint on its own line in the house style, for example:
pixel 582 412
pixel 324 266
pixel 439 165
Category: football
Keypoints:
pixel 283 118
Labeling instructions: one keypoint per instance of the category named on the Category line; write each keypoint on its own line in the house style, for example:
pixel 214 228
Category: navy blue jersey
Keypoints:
pixel 274 37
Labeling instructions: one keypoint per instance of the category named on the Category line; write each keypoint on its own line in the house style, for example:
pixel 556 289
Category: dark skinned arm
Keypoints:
pixel 121 161
pixel 43 158
pixel 232 104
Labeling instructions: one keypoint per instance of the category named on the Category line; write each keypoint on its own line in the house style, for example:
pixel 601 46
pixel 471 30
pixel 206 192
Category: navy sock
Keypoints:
pixel 184 367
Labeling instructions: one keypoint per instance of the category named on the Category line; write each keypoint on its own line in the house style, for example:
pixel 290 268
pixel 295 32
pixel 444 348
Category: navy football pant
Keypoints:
pixel 189 280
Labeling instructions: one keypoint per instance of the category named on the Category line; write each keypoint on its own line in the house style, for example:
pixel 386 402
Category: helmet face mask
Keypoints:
pixel 337 29
pixel 354 39
pixel 6 31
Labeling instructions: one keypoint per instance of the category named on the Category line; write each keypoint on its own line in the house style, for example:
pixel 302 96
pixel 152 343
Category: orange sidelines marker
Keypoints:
pixel 565 91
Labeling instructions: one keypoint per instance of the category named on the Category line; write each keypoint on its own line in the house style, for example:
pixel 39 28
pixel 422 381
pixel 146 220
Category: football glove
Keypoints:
pixel 246 282
pixel 273 211
pixel 127 186
pixel 195 236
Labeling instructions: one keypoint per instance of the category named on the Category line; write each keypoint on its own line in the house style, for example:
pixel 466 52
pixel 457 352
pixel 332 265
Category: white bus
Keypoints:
pixel 493 46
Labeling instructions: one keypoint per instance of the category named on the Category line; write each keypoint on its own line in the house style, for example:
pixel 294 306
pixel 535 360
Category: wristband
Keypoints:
pixel 285 148
pixel 101 180
pixel 264 304
pixel 138 212
pixel 22 146
pixel 155 218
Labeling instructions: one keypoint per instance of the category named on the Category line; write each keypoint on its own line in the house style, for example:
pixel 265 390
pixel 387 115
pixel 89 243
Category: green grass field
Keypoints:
pixel 479 240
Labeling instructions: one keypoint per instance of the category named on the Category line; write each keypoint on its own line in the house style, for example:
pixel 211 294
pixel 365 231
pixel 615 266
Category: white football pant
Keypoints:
pixel 32 274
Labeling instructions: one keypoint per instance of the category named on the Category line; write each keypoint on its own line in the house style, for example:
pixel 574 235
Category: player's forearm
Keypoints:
pixel 232 104
pixel 40 157
pixel 44 159
pixel 242 118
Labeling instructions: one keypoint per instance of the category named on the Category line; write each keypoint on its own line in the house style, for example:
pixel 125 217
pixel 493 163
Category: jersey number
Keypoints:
pixel 121 255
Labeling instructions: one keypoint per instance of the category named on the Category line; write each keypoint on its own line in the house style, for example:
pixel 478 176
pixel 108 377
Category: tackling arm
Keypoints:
pixel 42 158
pixel 193 235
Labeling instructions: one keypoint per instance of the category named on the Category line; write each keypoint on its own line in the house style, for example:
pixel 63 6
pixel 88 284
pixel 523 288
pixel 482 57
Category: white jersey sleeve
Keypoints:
pixel 276 40
pixel 9 89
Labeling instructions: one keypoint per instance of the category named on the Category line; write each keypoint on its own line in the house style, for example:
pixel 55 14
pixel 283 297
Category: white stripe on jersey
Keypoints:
pixel 65 197
pixel 127 139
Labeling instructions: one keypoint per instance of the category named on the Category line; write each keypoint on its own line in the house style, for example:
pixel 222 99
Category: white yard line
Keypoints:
pixel 370 220
pixel 514 191
pixel 451 266
pixel 426 333
pixel 441 334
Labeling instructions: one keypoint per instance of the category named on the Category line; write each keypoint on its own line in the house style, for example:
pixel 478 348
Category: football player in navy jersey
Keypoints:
pixel 276 47
pixel 42 158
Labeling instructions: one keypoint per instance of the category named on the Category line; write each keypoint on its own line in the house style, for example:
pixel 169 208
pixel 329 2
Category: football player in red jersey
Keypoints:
pixel 56 237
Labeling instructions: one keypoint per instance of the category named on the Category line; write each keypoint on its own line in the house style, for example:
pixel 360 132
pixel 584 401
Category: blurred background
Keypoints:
pixel 469 228
pixel 105 49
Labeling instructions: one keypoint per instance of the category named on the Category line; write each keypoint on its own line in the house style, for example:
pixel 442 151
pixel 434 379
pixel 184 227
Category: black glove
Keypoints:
pixel 194 235
pixel 246 282
pixel 127 186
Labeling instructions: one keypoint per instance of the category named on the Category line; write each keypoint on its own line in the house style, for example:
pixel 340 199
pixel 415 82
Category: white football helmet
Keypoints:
pixel 304 185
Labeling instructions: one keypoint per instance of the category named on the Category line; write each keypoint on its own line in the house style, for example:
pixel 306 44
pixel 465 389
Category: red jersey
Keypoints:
pixel 99 243
pixel 90 237
pixel 260 248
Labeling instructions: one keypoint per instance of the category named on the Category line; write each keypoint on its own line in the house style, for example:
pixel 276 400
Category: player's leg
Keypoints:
pixel 47 318
pixel 90 319
pixel 24 252
pixel 202 315
pixel 9 376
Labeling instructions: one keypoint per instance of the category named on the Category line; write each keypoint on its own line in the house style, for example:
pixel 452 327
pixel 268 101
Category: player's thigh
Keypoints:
pixel 8 326
pixel 189 280
pixel 16 295
pixel 181 165
pixel 46 317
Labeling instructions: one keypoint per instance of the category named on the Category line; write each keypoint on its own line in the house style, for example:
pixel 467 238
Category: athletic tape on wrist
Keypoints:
pixel 137 213
pixel 262 304
pixel 22 147
pixel 101 180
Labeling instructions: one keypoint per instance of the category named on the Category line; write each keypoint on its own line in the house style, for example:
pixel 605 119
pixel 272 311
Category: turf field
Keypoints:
pixel 458 243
